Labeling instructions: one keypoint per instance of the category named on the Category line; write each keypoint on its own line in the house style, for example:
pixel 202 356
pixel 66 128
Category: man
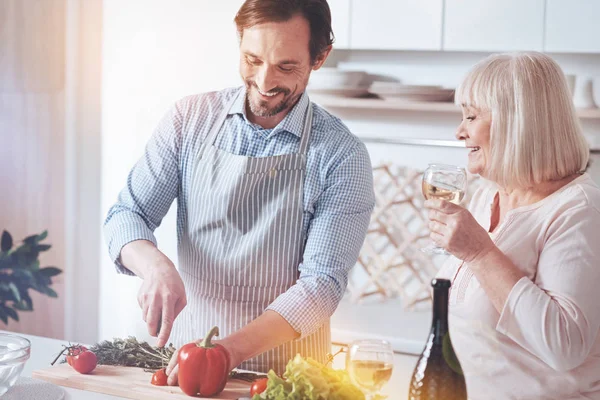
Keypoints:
pixel 274 199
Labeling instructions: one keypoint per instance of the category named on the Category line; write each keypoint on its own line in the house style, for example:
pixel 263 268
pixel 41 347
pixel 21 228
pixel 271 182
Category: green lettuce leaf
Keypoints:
pixel 306 379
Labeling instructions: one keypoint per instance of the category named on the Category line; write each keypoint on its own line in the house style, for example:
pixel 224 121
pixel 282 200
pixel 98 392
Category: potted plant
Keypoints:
pixel 20 271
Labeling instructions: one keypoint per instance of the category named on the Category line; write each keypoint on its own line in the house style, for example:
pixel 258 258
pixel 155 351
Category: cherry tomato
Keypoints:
pixel 84 362
pixel 73 351
pixel 159 378
pixel 259 386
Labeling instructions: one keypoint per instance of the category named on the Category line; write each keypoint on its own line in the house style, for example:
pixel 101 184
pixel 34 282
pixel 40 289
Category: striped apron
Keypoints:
pixel 243 245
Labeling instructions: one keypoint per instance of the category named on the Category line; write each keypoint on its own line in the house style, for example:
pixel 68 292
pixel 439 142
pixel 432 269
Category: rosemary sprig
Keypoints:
pixel 130 352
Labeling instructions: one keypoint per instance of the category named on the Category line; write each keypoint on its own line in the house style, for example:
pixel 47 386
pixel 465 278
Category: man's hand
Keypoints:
pixel 267 331
pixel 161 298
pixel 162 295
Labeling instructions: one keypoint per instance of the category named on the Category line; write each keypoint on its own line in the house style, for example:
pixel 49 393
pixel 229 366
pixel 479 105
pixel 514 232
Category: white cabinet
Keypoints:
pixel 396 25
pixel 573 26
pixel 492 25
pixel 340 22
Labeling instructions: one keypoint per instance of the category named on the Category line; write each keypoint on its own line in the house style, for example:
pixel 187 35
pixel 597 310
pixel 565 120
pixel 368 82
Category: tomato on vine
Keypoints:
pixel 80 358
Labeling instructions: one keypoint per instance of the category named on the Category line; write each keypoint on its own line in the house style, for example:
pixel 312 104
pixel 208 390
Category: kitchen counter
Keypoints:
pixel 44 350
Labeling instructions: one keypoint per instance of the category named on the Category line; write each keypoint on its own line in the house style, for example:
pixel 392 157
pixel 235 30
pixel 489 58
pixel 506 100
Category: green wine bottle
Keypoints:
pixel 438 375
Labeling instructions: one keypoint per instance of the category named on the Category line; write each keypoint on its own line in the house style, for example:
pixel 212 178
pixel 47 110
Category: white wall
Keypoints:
pixel 154 53
pixel 32 145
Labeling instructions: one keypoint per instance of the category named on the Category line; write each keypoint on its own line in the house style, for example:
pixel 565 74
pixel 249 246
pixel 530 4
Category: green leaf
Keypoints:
pixel 23 306
pixel 49 292
pixel 5 293
pixel 43 247
pixel 3 315
pixel 25 297
pixel 26 259
pixel 31 240
pixel 15 291
pixel 23 274
pixel 12 313
pixel 42 280
pixel 20 272
pixel 50 271
pixel 6 242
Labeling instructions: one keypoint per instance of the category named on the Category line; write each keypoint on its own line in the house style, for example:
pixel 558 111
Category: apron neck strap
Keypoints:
pixel 307 129
pixel 214 131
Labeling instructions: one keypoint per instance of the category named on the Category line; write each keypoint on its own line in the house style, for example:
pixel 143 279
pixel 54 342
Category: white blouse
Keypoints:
pixel 545 343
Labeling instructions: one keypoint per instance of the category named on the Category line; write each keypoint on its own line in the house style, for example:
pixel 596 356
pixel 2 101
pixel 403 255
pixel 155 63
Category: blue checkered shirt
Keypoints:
pixel 338 192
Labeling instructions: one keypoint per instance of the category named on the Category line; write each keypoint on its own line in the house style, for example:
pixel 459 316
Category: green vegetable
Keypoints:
pixel 306 379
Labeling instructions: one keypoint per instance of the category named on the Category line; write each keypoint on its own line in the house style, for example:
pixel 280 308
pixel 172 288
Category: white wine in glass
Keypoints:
pixel 370 364
pixel 444 192
pixel 446 182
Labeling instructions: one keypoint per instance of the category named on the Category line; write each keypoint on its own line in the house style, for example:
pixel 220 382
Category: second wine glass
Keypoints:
pixel 447 182
pixel 370 364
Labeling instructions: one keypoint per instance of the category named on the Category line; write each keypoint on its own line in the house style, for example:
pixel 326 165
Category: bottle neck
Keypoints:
pixel 439 323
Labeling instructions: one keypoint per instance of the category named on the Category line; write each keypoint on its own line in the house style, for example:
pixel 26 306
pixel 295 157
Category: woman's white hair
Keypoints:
pixel 535 134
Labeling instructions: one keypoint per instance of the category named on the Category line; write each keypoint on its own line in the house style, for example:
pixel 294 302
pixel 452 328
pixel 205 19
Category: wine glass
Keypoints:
pixel 370 363
pixel 447 182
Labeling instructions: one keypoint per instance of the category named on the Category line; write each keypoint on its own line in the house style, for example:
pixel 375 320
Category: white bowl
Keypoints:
pixel 331 78
pixel 14 353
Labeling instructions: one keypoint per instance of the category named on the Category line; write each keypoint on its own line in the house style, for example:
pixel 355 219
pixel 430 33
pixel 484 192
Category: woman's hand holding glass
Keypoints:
pixel 455 229
pixel 446 182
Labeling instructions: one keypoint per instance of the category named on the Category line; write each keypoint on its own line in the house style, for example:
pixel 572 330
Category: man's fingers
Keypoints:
pixel 179 306
pixel 166 323
pixel 153 318
pixel 172 377
pixel 145 306
pixel 172 362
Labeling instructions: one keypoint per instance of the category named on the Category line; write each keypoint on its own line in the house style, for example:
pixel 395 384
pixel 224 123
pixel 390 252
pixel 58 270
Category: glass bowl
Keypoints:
pixel 14 353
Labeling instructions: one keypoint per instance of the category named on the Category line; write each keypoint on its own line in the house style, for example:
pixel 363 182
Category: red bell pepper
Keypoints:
pixel 203 367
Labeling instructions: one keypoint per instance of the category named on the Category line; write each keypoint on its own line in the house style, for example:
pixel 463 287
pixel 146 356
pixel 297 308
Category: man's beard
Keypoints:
pixel 261 108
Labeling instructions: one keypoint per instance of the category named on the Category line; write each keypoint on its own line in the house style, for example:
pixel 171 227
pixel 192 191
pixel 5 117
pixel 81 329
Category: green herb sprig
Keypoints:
pixel 130 352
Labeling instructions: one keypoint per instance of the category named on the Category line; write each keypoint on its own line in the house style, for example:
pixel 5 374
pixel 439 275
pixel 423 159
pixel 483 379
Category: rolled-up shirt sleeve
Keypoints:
pixel 152 185
pixel 335 236
pixel 555 317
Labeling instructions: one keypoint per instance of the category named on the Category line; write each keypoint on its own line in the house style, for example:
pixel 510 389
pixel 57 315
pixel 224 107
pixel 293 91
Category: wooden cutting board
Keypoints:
pixel 128 382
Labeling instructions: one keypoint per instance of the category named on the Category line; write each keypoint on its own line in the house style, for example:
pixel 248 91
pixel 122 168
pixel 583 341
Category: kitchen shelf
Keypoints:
pixel 436 107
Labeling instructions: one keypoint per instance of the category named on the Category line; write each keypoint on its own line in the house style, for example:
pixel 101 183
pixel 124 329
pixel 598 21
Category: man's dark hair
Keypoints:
pixel 316 12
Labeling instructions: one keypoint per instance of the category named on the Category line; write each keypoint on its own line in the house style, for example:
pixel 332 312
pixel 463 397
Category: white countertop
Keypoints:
pixel 43 351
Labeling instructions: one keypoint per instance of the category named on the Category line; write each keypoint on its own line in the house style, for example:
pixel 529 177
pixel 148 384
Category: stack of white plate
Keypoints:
pixel 337 83
pixel 399 92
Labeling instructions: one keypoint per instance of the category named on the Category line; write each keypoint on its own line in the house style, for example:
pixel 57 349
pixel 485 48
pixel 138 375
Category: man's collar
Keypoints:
pixel 293 121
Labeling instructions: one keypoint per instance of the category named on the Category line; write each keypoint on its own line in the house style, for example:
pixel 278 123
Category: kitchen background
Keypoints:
pixel 83 83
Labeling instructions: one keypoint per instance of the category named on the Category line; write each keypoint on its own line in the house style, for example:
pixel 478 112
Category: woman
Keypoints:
pixel 525 265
